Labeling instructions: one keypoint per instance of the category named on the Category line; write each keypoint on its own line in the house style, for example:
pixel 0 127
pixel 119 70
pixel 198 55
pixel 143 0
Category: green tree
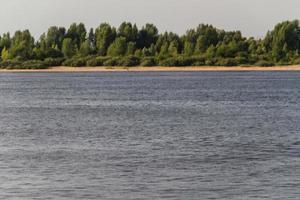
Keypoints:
pixel 201 45
pixel 164 50
pixel 147 36
pixel 211 52
pixel 189 48
pixel 4 54
pixel 77 33
pixel 92 40
pixel 68 48
pixel 173 48
pixel 55 37
pixel 104 35
pixel 151 51
pixel 207 36
pixel 131 47
pixel 285 38
pixel 22 45
pixel 48 47
pixel 128 31
pixel 5 41
pixel 213 46
pixel 85 48
pixel 118 47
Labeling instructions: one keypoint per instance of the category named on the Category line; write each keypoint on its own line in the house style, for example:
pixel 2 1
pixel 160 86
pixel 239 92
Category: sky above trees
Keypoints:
pixel 253 17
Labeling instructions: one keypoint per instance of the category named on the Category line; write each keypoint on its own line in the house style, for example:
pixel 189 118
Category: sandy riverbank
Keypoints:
pixel 154 69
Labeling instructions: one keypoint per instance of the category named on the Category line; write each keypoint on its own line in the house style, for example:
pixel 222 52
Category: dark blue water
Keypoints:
pixel 183 135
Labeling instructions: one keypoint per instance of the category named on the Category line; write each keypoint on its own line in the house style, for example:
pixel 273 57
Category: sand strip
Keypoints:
pixel 155 69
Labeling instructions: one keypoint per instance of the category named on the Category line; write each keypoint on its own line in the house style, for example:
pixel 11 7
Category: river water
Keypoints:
pixel 150 135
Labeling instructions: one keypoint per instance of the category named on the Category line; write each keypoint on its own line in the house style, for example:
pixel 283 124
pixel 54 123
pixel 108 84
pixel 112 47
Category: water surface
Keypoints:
pixel 150 135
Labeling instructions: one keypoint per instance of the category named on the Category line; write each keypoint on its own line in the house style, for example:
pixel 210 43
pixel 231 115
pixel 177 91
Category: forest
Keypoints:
pixel 128 46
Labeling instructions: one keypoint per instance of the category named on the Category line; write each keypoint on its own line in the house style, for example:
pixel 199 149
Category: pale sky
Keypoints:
pixel 252 17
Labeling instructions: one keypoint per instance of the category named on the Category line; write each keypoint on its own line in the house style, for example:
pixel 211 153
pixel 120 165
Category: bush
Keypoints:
pixel 264 63
pixel 10 63
pixel 129 61
pixel 210 62
pixel 76 62
pixel 228 62
pixel 67 62
pixel 177 61
pixel 184 61
pixel 169 62
pixel 148 62
pixel 30 64
pixel 79 62
pixel 18 59
pixel 112 62
pixel 252 59
pixel 52 62
pixel 241 60
pixel 198 61
pixel 34 64
pixel 98 61
pixel 296 61
pixel 283 63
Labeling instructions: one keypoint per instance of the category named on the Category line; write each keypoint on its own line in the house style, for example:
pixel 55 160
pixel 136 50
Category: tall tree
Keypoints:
pixel 189 48
pixel 128 31
pixel 77 33
pixel 5 41
pixel 69 48
pixel 4 54
pixel 92 40
pixel 147 36
pixel 22 45
pixel 118 47
pixel 55 37
pixel 104 35
pixel 85 48
pixel 284 38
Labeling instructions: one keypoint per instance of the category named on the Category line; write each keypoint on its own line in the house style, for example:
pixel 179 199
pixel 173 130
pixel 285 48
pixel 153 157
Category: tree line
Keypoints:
pixel 128 45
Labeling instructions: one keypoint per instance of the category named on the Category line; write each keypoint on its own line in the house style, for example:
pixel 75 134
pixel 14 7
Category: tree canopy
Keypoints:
pixel 129 45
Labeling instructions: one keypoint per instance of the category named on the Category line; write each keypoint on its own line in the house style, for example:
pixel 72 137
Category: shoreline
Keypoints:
pixel 155 69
